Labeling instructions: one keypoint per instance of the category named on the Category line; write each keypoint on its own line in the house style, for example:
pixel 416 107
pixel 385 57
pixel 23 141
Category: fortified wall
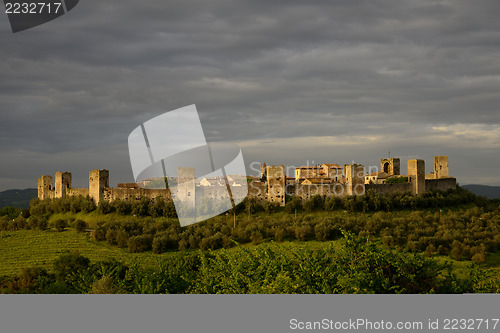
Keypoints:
pixel 98 188
pixel 354 181
pixel 273 189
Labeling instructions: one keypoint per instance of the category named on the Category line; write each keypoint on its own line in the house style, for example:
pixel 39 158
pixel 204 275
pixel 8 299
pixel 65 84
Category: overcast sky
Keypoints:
pixel 291 82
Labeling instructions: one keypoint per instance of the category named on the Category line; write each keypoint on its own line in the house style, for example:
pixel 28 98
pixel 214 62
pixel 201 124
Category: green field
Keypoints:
pixel 29 248
pixel 34 248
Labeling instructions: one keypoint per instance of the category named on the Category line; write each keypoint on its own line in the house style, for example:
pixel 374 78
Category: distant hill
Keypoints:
pixel 491 192
pixel 17 198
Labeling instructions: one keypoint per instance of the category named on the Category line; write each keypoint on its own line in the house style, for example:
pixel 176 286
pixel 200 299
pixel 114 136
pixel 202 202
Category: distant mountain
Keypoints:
pixel 17 198
pixel 491 192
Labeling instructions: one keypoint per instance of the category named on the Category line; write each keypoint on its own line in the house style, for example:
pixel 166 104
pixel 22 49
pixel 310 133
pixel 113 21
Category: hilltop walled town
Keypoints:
pixel 272 185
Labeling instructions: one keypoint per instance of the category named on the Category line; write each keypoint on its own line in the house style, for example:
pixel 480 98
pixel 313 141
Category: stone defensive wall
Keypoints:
pixel 111 194
pixel 442 184
pixel 383 189
pixel 74 192
pixel 274 189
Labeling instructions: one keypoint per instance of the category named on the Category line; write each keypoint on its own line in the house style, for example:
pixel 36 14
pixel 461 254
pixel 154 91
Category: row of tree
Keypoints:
pixel 159 207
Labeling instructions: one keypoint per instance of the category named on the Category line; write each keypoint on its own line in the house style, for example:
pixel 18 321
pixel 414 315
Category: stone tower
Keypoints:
pixel 186 187
pixel 276 183
pixel 441 167
pixel 416 172
pixel 186 195
pixel 45 187
pixel 391 166
pixel 98 181
pixel 62 184
pixel 263 170
pixel 355 179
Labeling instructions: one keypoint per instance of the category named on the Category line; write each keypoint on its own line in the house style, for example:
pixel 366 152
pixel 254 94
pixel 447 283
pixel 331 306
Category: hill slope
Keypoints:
pixel 17 198
pixel 491 192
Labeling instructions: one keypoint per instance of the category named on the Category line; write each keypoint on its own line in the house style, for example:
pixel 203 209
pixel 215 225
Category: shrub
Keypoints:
pixel 105 207
pixel 122 207
pixel 80 226
pixel 121 238
pixel 60 225
pixel 321 232
pixel 395 180
pixel 163 243
pixel 100 233
pixel 302 232
pixel 280 234
pixel 140 243
pixel 111 236
pixel 313 203
pixel 295 203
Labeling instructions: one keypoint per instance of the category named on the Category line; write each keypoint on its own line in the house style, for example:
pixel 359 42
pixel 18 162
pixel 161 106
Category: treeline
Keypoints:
pixel 142 207
pixel 356 265
pixel 159 207
pixel 373 202
pixel 10 212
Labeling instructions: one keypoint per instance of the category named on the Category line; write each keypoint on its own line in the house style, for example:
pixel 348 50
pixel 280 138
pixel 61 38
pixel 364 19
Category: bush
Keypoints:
pixel 80 226
pixel 122 238
pixel 60 225
pixel 122 207
pixel 302 232
pixel 67 266
pixel 111 236
pixel 295 203
pixel 140 243
pixel 163 243
pixel 11 212
pixel 313 203
pixel 105 207
pixel 280 234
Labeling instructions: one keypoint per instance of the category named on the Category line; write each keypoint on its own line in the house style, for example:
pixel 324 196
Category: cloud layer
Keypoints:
pixel 290 81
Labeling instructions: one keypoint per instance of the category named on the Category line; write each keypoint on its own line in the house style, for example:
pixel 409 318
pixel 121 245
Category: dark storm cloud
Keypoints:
pixel 289 80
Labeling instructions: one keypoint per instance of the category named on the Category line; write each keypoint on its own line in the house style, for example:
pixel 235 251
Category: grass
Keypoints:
pixel 30 248
pixel 34 248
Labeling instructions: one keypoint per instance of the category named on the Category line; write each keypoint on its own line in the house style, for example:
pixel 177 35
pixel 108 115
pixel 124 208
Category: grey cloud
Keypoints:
pixel 258 71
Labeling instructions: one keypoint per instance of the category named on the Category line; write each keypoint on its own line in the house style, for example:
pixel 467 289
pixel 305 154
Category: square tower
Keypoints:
pixel 391 166
pixel 186 186
pixel 45 187
pixel 62 184
pixel 416 172
pixel 98 181
pixel 263 171
pixel 276 183
pixel 355 179
pixel 441 167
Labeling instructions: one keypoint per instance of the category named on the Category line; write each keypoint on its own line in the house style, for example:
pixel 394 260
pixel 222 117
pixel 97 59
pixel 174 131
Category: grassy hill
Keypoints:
pixel 491 192
pixel 34 248
pixel 17 198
